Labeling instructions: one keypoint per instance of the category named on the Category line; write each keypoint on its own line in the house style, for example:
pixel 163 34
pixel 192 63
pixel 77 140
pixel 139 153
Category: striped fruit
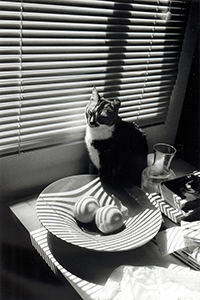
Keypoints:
pixel 108 219
pixel 85 209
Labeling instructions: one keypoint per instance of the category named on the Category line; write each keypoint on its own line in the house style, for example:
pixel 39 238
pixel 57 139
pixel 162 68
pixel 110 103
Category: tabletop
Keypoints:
pixel 89 287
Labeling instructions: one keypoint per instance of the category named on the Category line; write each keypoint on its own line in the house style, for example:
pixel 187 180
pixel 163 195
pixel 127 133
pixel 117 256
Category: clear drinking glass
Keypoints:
pixel 159 171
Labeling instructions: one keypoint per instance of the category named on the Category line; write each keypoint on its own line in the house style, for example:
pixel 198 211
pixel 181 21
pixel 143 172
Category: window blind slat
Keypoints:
pixel 82 77
pixel 125 84
pixel 122 10
pixel 137 5
pixel 99 19
pixel 49 35
pixel 54 52
pixel 86 56
pixel 137 82
pixel 85 63
pixel 45 58
pixel 125 76
pixel 30 25
pixel 141 69
pixel 28 50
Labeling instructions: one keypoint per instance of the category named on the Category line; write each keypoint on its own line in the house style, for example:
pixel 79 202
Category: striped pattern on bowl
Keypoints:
pixel 55 211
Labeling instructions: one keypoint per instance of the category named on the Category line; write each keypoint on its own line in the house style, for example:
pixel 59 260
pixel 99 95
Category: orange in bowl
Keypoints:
pixel 85 209
pixel 108 219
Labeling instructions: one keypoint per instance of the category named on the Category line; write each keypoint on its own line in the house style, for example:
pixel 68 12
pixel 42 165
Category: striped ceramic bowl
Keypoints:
pixel 55 211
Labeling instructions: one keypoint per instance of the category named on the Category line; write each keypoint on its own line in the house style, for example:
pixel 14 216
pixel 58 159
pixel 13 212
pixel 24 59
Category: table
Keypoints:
pixel 148 254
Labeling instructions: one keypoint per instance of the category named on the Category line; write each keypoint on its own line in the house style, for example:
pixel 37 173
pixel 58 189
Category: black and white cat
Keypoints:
pixel 117 149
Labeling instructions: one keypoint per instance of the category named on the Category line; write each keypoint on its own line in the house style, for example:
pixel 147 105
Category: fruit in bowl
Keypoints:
pixel 109 219
pixel 85 209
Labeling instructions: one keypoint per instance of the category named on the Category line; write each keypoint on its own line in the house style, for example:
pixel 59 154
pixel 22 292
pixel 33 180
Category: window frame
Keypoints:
pixel 42 112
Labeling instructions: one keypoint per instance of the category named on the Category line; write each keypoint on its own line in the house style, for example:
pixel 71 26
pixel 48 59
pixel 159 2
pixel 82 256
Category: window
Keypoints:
pixel 54 51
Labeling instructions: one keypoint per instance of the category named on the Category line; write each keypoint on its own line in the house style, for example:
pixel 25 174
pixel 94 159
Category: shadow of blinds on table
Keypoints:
pixel 53 53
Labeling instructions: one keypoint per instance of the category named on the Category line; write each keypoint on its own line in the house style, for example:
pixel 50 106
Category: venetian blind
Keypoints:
pixel 54 51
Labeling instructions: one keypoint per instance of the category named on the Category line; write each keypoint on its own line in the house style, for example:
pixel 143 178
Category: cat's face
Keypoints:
pixel 101 111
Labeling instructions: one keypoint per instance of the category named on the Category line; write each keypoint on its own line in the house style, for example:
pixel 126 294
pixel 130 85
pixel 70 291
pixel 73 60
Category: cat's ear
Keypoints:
pixel 95 96
pixel 116 104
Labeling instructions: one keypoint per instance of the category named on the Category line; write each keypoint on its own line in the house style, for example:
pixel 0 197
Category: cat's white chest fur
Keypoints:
pixel 103 132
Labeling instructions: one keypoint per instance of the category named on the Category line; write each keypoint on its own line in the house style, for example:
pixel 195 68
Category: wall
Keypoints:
pixel 188 135
pixel 27 174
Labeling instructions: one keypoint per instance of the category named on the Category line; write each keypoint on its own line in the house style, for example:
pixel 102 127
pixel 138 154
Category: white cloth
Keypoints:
pixel 152 283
